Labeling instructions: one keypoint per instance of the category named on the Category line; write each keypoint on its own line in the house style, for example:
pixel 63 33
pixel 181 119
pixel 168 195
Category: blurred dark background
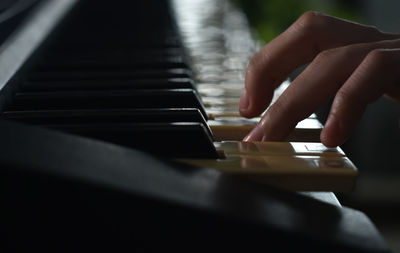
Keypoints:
pixel 375 145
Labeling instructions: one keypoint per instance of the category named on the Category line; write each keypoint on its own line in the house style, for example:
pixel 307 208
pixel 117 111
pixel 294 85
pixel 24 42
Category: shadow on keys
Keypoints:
pixel 62 191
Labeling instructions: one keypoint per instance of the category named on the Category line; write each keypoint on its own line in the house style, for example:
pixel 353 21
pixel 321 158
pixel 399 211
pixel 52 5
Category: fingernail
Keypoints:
pixel 255 135
pixel 244 101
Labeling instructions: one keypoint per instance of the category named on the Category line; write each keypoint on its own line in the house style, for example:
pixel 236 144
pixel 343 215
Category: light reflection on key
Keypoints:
pixel 277 148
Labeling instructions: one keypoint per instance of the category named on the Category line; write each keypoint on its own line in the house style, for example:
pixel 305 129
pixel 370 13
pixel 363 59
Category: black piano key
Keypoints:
pixel 154 41
pixel 112 64
pixel 59 117
pixel 151 83
pixel 107 74
pixel 67 55
pixel 163 98
pixel 173 140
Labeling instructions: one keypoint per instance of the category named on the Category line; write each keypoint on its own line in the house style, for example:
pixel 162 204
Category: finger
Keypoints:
pixel 318 83
pixel 299 44
pixel 310 89
pixel 377 74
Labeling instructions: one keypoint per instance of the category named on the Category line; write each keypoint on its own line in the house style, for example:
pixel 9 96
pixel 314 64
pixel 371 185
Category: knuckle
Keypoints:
pixel 327 55
pixel 338 53
pixel 377 59
pixel 349 50
pixel 350 96
pixel 310 22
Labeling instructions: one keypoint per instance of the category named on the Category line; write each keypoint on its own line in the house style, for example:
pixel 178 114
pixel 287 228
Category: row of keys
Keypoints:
pixel 132 88
pixel 293 166
pixel 139 91
pixel 220 44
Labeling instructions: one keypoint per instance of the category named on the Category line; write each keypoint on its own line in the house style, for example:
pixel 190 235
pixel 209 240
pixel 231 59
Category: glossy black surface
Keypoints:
pixel 149 83
pixel 65 192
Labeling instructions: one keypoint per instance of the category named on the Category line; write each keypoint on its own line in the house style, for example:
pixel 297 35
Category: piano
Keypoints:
pixel 114 120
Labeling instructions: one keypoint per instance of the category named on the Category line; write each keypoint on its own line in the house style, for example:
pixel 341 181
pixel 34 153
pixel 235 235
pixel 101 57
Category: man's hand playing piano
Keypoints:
pixel 352 63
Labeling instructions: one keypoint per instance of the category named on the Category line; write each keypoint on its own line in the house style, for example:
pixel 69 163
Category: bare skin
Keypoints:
pixel 352 63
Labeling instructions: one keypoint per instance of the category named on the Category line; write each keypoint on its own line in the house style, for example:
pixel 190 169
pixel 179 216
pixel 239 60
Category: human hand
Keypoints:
pixel 352 63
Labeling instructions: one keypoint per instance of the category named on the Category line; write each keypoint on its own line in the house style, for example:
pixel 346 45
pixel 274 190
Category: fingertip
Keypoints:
pixel 247 112
pixel 331 135
pixel 253 105
pixel 255 135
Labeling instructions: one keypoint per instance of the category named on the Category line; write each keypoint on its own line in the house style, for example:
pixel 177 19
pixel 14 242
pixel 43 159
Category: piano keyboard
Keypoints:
pixel 219 59
pixel 171 94
pixel 120 73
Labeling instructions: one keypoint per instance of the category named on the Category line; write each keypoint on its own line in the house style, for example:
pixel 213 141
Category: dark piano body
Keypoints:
pixel 112 71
